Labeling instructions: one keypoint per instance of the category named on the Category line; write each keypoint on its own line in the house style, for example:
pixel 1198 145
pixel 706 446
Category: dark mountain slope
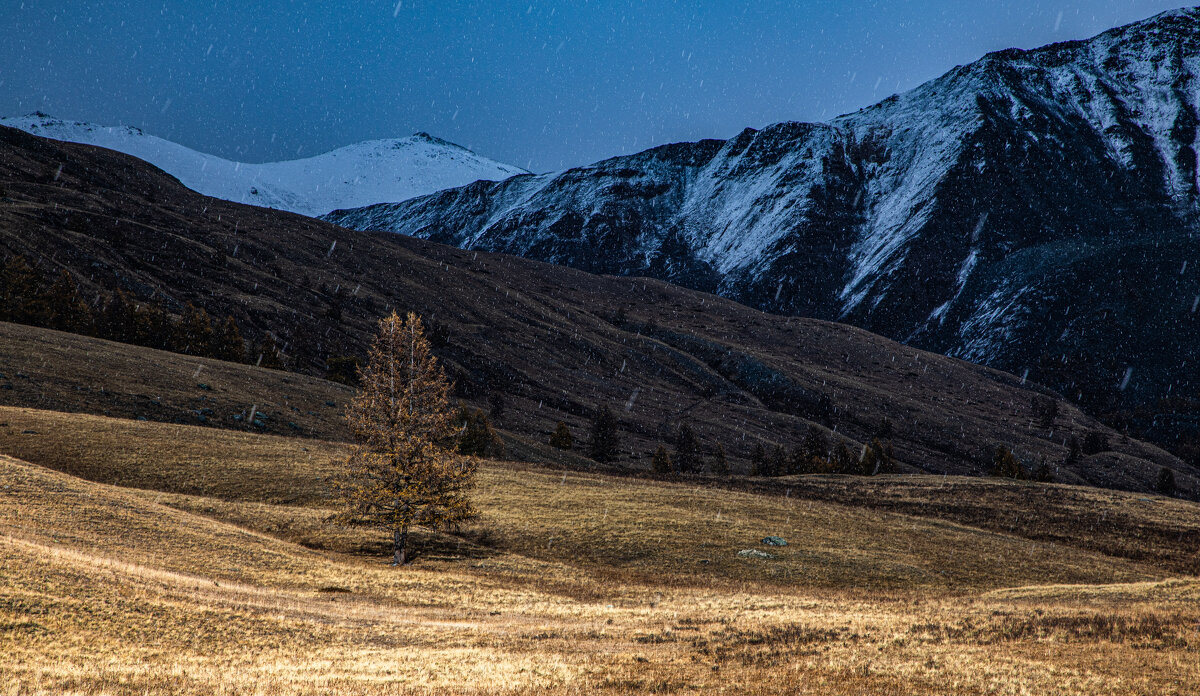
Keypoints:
pixel 552 342
pixel 1026 212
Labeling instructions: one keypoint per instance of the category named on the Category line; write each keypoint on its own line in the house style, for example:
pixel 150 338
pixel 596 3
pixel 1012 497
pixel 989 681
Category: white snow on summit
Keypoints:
pixel 373 171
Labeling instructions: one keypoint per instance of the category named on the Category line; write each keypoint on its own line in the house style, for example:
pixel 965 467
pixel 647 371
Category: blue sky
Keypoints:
pixel 542 85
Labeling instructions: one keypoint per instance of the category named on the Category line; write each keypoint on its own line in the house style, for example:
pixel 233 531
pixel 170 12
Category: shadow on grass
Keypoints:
pixel 423 546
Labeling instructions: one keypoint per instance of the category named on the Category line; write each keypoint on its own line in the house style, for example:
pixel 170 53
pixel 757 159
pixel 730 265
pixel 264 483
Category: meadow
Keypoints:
pixel 143 557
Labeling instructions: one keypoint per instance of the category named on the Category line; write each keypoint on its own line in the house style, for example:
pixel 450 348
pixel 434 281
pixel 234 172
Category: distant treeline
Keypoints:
pixel 815 454
pixel 28 297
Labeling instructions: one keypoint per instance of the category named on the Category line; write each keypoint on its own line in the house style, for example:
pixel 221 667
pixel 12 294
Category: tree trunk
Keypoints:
pixel 399 546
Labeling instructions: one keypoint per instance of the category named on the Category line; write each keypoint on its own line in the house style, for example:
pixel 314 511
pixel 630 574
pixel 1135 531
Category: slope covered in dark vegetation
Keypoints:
pixel 536 344
pixel 1033 211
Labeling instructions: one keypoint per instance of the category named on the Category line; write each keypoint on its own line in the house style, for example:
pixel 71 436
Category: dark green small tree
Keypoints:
pixel 1005 464
pixel 877 458
pixel 661 461
pixel 602 447
pixel 118 321
pixel 1095 442
pixel 229 345
pixel 1042 472
pixel 797 462
pixel 687 450
pixel 844 460
pixel 1074 451
pixel 477 437
pixel 195 332
pixel 815 444
pixel 777 462
pixel 497 405
pixel 268 353
pixel 20 300
pixel 65 309
pixel 825 411
pixel 870 459
pixel 561 437
pixel 153 327
pixel 1166 482
pixel 758 460
pixel 343 369
pixel 1045 409
pixel 720 465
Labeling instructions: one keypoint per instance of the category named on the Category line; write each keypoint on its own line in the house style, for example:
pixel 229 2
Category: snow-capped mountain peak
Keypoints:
pixel 355 175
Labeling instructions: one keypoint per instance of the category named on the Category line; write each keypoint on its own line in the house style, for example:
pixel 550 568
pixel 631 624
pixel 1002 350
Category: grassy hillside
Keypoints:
pixel 552 343
pixel 216 572
pixel 66 372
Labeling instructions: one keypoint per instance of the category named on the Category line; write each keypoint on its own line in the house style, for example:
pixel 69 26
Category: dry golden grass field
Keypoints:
pixel 140 557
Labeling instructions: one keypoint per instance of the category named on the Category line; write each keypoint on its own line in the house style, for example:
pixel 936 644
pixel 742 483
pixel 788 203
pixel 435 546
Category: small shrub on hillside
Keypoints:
pixel 777 463
pixel 1095 442
pixel 1005 464
pixel 343 369
pixel 758 460
pixel 1042 473
pixel 561 437
pixel 844 460
pixel 1045 409
pixel 478 438
pixel 602 446
pixel 661 461
pixel 1166 482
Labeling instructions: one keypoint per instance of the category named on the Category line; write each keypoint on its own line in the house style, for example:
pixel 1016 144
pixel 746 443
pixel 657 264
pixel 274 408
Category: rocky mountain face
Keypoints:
pixel 1035 211
pixel 359 174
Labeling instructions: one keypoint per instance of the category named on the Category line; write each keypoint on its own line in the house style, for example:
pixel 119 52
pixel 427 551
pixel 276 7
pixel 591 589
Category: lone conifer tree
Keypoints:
pixel 402 471
pixel 229 343
pixel 777 463
pixel 195 331
pixel 65 308
pixel 1166 482
pixel 152 327
pixel 603 445
pixel 687 450
pixel 19 297
pixel 268 353
pixel 118 320
pixel 720 465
